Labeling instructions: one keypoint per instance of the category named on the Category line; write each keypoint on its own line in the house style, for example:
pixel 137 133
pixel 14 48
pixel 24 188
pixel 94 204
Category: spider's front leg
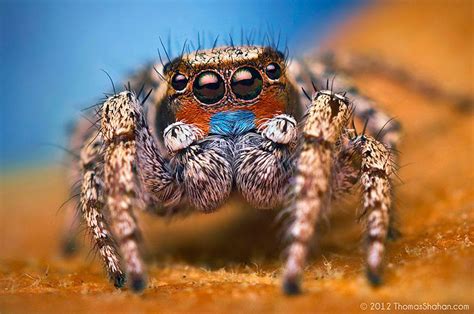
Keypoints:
pixel 264 162
pixel 118 129
pixel 325 120
pixel 324 72
pixel 376 169
pixel 130 148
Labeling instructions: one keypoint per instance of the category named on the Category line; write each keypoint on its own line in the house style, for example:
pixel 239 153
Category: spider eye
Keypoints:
pixel 273 71
pixel 208 87
pixel 179 81
pixel 246 83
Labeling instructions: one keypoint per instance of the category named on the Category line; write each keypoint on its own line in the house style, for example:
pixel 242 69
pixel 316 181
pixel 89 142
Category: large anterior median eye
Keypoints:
pixel 246 83
pixel 208 87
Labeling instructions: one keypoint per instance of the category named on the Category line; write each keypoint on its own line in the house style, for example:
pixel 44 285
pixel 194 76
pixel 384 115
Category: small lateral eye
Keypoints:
pixel 208 87
pixel 179 81
pixel 246 83
pixel 273 71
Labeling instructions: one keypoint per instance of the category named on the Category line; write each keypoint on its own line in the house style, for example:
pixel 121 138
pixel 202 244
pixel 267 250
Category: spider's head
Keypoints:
pixel 227 90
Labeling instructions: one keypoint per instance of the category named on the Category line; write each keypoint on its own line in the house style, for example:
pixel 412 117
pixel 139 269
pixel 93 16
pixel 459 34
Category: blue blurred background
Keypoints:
pixel 51 53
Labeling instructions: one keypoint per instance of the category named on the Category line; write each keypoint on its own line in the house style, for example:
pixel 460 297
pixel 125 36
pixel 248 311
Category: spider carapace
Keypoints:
pixel 233 119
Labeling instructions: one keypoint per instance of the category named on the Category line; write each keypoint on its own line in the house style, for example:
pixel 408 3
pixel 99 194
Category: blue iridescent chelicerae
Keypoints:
pixel 232 122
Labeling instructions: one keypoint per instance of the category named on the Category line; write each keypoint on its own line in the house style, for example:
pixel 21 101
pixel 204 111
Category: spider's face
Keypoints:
pixel 227 90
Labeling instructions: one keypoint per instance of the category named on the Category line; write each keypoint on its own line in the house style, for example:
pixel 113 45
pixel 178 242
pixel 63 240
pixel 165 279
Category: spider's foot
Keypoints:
pixel 69 247
pixel 137 282
pixel 374 277
pixel 179 135
pixel 119 279
pixel 291 286
pixel 281 129
pixel 375 253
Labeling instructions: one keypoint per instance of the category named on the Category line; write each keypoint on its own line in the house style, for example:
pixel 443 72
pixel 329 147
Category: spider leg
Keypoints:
pixel 325 72
pixel 326 118
pixel 130 148
pixel 321 73
pixel 264 162
pixel 92 208
pixel 83 132
pixel 377 167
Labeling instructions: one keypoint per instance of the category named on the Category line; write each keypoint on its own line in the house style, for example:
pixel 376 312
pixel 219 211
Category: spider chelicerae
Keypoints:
pixel 233 119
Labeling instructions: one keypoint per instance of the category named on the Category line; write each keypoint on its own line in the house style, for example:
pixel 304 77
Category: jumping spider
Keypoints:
pixel 233 119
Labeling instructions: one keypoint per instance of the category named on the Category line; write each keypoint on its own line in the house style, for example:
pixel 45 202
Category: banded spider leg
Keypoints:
pixel 316 177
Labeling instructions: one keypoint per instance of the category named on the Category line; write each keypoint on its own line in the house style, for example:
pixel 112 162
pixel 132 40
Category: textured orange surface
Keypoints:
pixel 229 261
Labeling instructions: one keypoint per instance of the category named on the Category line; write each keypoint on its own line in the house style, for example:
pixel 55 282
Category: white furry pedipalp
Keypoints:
pixel 281 129
pixel 180 135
